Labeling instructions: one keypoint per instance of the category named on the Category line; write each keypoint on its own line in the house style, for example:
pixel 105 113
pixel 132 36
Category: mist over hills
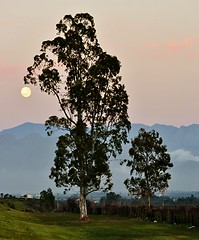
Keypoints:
pixel 27 155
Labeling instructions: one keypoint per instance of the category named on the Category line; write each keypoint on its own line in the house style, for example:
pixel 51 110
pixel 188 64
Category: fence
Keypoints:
pixel 174 215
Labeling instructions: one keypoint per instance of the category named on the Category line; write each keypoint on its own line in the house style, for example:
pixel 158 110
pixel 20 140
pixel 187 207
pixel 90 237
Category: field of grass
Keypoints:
pixel 18 224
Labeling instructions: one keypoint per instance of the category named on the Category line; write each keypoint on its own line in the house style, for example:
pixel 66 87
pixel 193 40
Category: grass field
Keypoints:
pixel 18 224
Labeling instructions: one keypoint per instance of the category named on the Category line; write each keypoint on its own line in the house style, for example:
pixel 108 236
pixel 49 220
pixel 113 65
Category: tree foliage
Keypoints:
pixel 86 82
pixel 149 164
pixel 47 200
pixel 111 199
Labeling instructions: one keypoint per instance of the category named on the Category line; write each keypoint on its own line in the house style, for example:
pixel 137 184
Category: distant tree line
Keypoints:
pixel 115 200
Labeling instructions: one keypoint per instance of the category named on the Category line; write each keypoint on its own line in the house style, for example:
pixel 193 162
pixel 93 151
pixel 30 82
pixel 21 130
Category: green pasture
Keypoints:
pixel 15 223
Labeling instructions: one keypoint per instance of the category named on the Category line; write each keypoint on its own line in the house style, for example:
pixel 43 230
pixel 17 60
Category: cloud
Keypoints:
pixel 180 45
pixel 188 42
pixel 172 46
pixel 185 47
pixel 5 69
pixel 9 70
pixel 181 156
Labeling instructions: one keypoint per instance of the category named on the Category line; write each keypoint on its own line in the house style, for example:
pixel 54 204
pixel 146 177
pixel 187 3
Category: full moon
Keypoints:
pixel 26 92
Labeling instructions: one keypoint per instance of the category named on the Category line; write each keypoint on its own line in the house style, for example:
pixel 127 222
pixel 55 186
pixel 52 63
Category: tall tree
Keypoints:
pixel 86 82
pixel 149 164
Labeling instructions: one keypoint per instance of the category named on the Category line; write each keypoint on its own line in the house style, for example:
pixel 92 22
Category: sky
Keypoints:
pixel 156 41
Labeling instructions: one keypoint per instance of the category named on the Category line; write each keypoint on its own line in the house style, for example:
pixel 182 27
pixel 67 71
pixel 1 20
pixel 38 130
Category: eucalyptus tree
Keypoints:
pixel 86 82
pixel 148 165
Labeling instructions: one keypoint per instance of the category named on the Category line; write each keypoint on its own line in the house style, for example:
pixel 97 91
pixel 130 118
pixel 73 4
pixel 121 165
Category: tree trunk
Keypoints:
pixel 82 205
pixel 149 201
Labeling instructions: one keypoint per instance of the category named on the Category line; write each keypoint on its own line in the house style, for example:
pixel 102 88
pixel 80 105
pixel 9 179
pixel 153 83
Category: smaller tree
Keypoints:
pixel 149 164
pixel 113 199
pixel 72 204
pixel 47 200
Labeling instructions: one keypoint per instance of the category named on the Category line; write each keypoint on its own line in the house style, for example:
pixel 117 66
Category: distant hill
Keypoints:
pixel 184 137
pixel 27 154
pixel 25 129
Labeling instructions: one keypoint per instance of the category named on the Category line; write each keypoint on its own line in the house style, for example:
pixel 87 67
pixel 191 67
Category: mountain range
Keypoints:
pixel 27 155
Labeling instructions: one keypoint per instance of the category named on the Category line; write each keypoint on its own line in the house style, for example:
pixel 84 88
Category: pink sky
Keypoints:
pixel 157 43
